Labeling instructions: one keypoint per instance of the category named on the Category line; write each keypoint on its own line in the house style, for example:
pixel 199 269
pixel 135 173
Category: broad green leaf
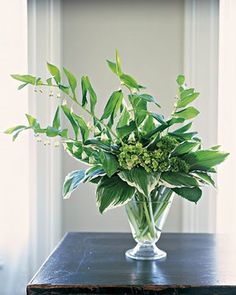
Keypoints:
pixel 144 182
pixel 84 130
pixel 180 80
pixel 113 192
pixel 29 79
pixel 118 65
pixel 187 113
pixel 70 117
pixel 99 144
pixel 52 132
pixel 93 172
pixel 84 88
pixel 129 81
pixel 109 163
pixel 173 121
pixel 54 71
pixel 183 129
pixel 185 147
pixel 16 131
pixel 182 103
pixel 159 118
pixel 148 98
pixel 178 179
pixel 124 118
pixel 148 125
pixel 72 182
pixel 192 194
pixel 204 177
pixel 205 159
pixel 139 106
pixel 31 120
pixel 113 104
pixel 186 92
pixel 72 81
pixel 92 94
pixel 22 86
pixel 215 147
pixel 126 130
pixel 158 129
pixel 64 89
pixel 185 136
pixel 49 81
pixel 56 120
pixel 112 66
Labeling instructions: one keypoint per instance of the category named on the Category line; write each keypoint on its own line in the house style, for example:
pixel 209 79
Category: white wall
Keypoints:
pixel 149 36
pixel 14 157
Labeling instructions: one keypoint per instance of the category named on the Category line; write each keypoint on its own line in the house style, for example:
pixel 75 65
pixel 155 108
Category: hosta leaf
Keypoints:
pixel 99 144
pixel 192 194
pixel 93 172
pixel 138 177
pixel 54 71
pixel 187 113
pixel 72 182
pixel 204 177
pixel 113 192
pixel 72 81
pixel 180 80
pixel 109 163
pixel 182 103
pixel 205 159
pixel 185 147
pixel 179 179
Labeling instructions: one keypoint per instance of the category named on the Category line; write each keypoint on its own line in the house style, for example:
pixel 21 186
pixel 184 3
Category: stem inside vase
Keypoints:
pixel 146 216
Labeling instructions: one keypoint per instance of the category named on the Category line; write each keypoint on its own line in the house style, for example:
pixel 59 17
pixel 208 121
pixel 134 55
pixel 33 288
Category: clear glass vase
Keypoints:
pixel 147 215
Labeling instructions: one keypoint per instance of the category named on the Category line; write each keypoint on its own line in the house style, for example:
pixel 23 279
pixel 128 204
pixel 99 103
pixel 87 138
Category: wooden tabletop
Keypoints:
pixel 94 263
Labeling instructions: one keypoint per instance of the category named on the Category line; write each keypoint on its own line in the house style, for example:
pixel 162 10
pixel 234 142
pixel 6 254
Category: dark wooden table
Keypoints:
pixel 94 263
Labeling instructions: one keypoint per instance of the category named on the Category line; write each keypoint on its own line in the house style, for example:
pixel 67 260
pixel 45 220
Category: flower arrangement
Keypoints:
pixel 133 152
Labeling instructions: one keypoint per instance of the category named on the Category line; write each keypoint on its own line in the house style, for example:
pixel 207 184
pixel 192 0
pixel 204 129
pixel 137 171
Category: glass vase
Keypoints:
pixel 147 215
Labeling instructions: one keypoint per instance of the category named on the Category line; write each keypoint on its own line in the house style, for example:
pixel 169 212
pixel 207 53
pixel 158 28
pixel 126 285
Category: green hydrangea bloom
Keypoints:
pixel 158 160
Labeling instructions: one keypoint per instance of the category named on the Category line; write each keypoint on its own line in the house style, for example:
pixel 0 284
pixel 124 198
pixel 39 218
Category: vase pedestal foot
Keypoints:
pixel 145 252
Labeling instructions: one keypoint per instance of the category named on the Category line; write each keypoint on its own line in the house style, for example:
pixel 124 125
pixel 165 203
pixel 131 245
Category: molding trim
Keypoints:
pixel 44 35
pixel 201 69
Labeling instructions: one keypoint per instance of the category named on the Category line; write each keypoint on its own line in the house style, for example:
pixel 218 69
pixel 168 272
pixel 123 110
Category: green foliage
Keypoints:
pixel 113 192
pixel 132 150
pixel 72 182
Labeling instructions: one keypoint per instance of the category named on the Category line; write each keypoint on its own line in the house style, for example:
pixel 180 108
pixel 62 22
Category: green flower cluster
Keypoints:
pixel 158 160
